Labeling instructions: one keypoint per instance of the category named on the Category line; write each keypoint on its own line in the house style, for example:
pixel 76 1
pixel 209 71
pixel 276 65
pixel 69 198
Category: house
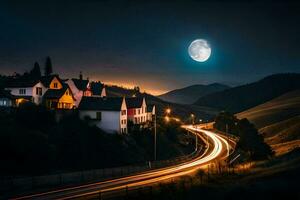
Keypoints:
pixel 109 114
pixel 58 94
pixel 150 112
pixel 97 89
pixel 59 98
pixel 136 110
pixel 7 99
pixel 79 87
pixel 27 90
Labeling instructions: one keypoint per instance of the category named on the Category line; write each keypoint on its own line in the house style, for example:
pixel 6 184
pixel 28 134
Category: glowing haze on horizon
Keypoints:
pixel 144 43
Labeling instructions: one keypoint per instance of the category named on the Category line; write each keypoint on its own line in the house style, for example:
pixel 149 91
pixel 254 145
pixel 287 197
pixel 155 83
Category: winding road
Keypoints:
pixel 218 149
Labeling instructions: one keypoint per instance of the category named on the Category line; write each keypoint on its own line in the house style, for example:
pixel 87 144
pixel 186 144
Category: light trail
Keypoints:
pixel 217 150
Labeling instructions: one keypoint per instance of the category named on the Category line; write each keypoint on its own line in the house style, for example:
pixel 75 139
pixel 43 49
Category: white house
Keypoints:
pixel 27 91
pixel 136 110
pixel 109 114
pixel 150 112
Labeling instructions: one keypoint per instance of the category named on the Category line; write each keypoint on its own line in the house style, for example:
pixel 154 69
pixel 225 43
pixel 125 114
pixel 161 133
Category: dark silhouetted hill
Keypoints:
pixel 278 120
pixel 243 97
pixel 179 110
pixel 190 94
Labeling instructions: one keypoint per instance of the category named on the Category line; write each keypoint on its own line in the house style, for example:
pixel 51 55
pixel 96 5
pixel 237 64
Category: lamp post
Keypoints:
pixel 155 137
pixel 196 138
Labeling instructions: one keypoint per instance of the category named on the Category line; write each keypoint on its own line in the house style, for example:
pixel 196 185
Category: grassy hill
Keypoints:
pixel 243 97
pixel 182 111
pixel 278 120
pixel 190 94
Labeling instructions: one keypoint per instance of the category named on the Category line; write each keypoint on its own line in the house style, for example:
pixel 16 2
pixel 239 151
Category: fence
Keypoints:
pixel 12 186
pixel 168 189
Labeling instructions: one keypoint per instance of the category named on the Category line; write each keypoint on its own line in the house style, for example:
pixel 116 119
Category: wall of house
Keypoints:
pixel 38 99
pixel 150 114
pixel 110 120
pixel 76 93
pixel 15 91
pixel 66 99
pixel 103 92
pixel 123 117
pixel 140 115
pixel 55 81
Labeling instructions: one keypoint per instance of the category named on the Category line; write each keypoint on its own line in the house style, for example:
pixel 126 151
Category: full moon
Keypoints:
pixel 199 50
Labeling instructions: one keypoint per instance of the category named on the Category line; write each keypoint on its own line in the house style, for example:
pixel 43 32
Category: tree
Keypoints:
pixel 35 73
pixel 225 121
pixel 251 141
pixel 48 67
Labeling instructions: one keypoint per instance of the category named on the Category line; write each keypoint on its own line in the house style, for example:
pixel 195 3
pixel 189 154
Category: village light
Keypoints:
pixel 177 119
pixel 168 110
pixel 167 118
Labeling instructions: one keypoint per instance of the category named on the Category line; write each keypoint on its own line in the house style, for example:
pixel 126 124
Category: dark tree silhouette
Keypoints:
pixel 35 73
pixel 250 141
pixel 48 67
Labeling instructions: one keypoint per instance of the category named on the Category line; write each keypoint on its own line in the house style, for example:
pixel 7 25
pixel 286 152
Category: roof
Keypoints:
pixel 46 80
pixel 134 102
pixel 80 83
pixel 99 103
pixel 96 88
pixel 150 107
pixel 6 94
pixel 54 93
pixel 21 83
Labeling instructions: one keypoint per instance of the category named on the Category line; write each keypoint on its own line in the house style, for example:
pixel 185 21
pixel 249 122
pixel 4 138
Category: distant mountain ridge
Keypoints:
pixel 179 110
pixel 190 94
pixel 278 121
pixel 243 97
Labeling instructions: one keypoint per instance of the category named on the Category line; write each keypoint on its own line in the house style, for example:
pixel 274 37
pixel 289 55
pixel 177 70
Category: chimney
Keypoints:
pixel 80 75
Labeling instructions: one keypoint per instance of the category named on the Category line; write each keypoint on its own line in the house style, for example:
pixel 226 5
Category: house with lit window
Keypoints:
pixel 27 91
pixel 136 110
pixel 79 87
pixel 58 94
pixel 7 99
pixel 108 113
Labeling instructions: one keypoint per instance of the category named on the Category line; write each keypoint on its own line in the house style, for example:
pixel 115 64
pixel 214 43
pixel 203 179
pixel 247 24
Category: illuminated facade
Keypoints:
pixel 109 113
pixel 58 95
pixel 137 110
pixel 32 91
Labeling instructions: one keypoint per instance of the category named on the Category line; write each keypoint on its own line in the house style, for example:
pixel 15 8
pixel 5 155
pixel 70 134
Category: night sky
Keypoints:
pixel 145 44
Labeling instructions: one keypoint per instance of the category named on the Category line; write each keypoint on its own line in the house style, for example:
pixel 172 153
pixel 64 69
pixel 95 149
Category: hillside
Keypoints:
pixel 182 111
pixel 247 96
pixel 278 120
pixel 190 94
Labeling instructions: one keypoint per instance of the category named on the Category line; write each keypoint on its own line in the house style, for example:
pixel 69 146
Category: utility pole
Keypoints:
pixel 227 136
pixel 196 147
pixel 196 138
pixel 155 137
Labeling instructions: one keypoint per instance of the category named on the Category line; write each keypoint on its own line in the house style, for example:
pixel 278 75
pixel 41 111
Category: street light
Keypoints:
pixel 168 111
pixel 193 118
pixel 196 138
pixel 155 136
